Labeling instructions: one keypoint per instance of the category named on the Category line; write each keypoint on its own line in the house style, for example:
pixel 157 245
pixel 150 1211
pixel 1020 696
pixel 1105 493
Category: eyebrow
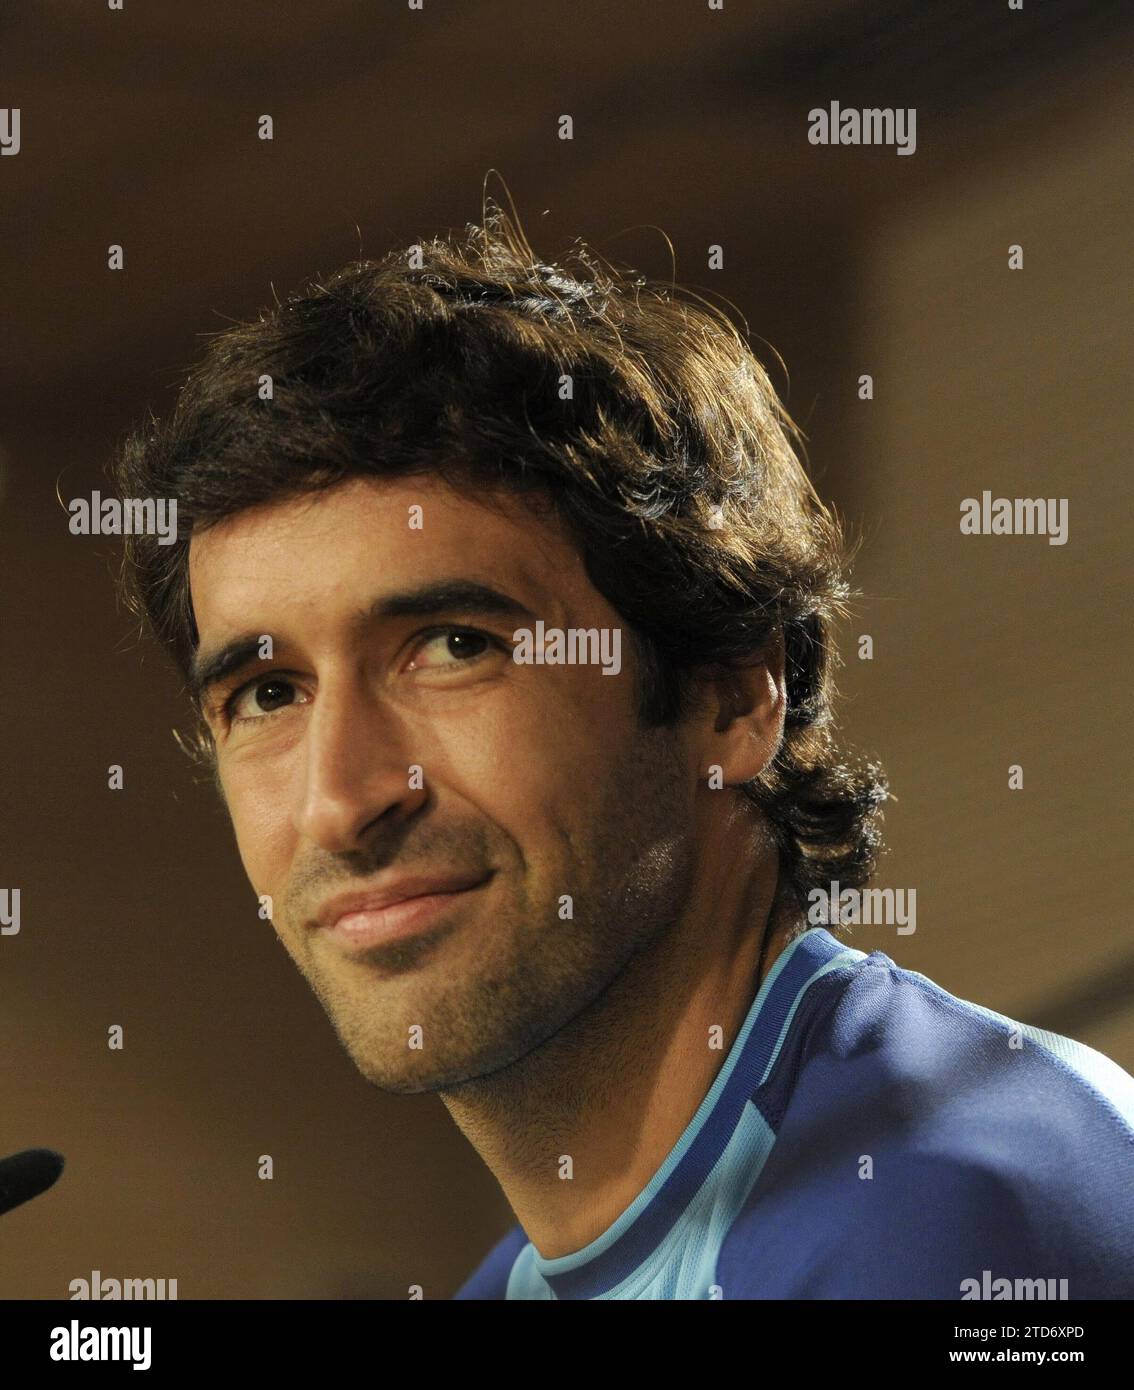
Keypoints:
pixel 210 667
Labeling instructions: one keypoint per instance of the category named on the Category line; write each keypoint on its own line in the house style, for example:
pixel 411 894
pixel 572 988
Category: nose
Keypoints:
pixel 357 767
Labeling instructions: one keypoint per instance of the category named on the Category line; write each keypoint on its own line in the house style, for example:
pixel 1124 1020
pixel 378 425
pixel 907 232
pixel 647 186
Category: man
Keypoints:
pixel 561 878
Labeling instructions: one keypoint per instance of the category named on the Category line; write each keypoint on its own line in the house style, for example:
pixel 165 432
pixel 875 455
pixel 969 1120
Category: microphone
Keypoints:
pixel 26 1175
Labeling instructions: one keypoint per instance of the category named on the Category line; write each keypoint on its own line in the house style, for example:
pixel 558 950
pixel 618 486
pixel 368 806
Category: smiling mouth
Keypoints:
pixel 432 914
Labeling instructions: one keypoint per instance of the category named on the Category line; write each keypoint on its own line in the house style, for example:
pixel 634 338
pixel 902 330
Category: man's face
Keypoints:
pixel 559 827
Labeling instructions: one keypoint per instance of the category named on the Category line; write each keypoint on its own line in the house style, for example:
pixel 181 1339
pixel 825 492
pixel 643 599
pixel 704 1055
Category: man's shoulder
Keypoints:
pixel 922 1138
pixel 490 1278
pixel 918 1050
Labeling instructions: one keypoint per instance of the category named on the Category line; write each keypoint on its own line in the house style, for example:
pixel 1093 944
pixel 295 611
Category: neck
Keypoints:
pixel 577 1128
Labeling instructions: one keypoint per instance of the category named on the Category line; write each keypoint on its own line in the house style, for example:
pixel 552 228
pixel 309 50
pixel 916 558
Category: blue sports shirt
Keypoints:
pixel 872 1136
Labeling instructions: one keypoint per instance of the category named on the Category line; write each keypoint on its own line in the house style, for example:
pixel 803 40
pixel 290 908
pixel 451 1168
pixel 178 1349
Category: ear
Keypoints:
pixel 744 715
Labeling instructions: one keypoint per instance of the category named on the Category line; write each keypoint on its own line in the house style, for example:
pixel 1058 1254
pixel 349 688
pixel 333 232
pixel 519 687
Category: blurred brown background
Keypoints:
pixel 139 128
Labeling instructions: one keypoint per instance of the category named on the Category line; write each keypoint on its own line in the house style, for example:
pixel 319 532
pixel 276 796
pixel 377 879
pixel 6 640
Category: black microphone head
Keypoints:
pixel 26 1175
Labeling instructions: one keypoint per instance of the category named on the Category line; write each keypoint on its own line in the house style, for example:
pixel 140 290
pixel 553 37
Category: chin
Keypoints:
pixel 404 1083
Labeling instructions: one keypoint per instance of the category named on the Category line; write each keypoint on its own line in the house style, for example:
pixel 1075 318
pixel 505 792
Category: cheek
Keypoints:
pixel 550 760
pixel 559 733
pixel 263 829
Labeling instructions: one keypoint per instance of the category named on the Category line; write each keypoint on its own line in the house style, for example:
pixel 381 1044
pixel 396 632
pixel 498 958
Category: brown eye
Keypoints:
pixel 462 645
pixel 262 698
pixel 272 694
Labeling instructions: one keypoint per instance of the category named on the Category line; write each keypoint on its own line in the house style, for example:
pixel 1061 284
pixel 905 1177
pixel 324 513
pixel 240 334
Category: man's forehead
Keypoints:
pixel 380 529
pixel 360 506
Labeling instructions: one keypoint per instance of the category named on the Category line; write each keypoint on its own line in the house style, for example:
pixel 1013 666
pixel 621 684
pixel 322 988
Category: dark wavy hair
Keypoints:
pixel 635 409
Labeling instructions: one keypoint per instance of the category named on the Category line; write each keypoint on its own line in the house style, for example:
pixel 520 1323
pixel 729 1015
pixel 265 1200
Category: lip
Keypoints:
pixel 396 911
